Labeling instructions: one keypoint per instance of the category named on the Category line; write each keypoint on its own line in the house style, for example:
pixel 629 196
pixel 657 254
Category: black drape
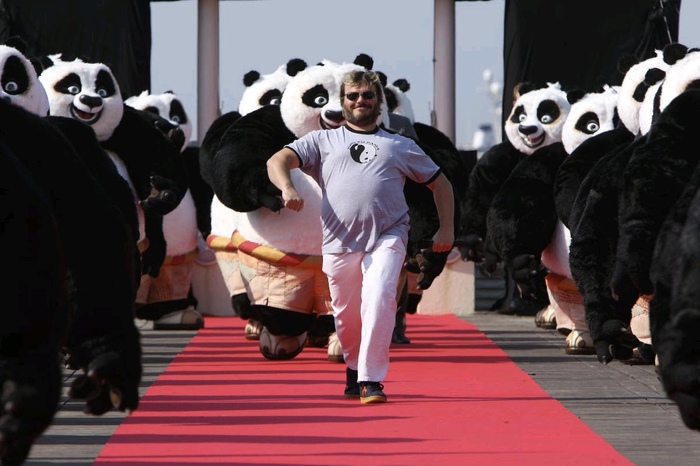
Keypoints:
pixel 579 43
pixel 114 32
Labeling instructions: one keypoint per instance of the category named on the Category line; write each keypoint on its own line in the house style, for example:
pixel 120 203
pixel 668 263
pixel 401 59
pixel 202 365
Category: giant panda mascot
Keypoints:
pixel 271 241
pixel 147 158
pixel 35 317
pixel 536 121
pixel 171 291
pixel 99 337
pixel 439 147
pixel 673 272
pixel 524 228
pixel 260 90
pixel 595 215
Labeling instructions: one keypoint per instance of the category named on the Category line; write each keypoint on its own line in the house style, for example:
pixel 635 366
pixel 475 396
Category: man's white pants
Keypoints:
pixel 363 296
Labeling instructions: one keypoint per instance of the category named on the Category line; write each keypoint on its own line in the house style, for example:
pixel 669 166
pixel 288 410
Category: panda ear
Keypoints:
pixel 626 62
pixel 523 88
pixel 168 92
pixel 402 84
pixel 674 52
pixel 653 76
pixel 295 65
pixel 18 43
pixel 382 78
pixel 574 95
pixel 41 63
pixel 250 77
pixel 364 60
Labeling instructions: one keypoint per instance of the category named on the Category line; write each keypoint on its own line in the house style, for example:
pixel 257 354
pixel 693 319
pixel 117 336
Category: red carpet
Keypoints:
pixel 454 398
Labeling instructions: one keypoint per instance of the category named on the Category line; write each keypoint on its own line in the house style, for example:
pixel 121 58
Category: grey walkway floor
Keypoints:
pixel 624 404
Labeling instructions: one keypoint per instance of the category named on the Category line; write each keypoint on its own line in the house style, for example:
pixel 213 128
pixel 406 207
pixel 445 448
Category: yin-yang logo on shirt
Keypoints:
pixel 363 152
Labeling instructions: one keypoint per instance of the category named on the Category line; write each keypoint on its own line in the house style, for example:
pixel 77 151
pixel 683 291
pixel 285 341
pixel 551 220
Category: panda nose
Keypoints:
pixel 527 130
pixel 90 101
pixel 335 116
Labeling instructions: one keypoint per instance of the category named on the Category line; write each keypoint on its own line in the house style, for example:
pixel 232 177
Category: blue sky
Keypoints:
pixel 264 34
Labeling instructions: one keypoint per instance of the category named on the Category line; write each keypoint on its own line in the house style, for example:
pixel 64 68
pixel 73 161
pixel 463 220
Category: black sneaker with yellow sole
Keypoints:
pixel 371 392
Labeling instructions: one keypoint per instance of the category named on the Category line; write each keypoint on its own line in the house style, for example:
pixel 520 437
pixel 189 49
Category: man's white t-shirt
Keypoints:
pixel 361 175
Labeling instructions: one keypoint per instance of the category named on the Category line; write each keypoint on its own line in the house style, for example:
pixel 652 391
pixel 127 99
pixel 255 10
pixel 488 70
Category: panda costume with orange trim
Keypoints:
pixel 143 147
pixel 286 298
pixel 171 291
pixel 226 285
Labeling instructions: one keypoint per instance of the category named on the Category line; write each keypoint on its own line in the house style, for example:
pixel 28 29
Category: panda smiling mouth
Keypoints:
pixel 533 142
pixel 85 117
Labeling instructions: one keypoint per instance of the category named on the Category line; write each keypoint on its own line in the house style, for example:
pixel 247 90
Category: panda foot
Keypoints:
pixel 186 319
pixel 253 328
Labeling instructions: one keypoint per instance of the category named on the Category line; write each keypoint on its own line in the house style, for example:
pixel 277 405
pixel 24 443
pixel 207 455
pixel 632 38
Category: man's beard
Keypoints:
pixel 367 120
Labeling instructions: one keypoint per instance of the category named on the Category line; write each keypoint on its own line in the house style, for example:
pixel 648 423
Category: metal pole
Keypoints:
pixel 444 67
pixel 207 65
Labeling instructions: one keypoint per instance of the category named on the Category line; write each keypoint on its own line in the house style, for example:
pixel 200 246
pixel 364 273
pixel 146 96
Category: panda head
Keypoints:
pixel 590 114
pixel 20 82
pixel 682 75
pixel 639 83
pixel 311 100
pixel 165 105
pixel 537 117
pixel 267 89
pixel 396 99
pixel 87 92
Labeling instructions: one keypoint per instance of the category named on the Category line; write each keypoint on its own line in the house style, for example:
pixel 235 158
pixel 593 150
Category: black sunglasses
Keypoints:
pixel 353 96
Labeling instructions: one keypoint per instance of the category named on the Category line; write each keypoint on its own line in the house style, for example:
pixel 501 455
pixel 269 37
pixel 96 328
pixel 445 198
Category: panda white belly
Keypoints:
pixel 223 219
pixel 180 227
pixel 124 173
pixel 556 255
pixel 288 231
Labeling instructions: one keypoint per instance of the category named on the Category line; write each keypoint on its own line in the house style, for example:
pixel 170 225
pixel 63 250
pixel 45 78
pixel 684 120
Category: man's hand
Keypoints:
pixel 443 240
pixel 292 200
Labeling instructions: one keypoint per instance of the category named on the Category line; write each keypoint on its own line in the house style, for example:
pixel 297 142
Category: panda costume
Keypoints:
pixel 35 320
pixel 230 296
pixel 594 224
pixel 439 147
pixel 268 238
pixel 143 155
pixel 523 226
pixel 536 121
pixel 171 290
pixel 99 337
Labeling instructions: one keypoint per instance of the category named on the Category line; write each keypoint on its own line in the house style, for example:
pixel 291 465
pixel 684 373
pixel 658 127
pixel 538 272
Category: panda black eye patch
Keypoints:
pixel 71 80
pixel 353 96
pixel 14 71
pixel 104 81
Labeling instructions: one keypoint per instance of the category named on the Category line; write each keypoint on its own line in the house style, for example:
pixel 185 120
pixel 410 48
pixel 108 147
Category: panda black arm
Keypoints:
pixel 485 179
pixel 522 218
pixel 152 158
pixel 237 154
pixel 653 182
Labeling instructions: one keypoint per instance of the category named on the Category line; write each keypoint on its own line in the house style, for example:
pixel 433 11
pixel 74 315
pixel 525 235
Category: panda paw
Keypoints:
pixel 163 198
pixel 472 249
pixel 616 341
pixel 430 265
pixel 111 375
pixel 26 411
pixel 528 273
